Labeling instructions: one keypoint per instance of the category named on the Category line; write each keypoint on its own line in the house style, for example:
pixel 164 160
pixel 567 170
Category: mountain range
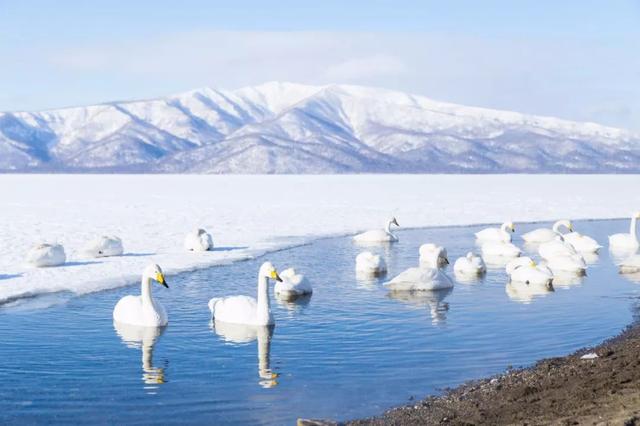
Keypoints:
pixel 293 128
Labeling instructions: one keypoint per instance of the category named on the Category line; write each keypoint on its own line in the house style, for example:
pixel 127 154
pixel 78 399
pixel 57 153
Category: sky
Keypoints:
pixel 577 60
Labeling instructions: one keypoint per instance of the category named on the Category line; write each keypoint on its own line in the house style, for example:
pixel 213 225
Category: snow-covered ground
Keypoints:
pixel 251 215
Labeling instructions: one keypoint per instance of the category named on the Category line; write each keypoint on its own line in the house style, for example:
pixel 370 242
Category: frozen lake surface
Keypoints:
pixel 350 350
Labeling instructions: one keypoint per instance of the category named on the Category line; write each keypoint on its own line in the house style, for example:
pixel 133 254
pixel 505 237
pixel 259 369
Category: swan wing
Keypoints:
pixel 235 309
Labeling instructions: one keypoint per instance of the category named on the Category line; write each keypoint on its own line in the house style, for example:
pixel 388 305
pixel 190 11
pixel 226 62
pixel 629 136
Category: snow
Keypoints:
pixel 251 215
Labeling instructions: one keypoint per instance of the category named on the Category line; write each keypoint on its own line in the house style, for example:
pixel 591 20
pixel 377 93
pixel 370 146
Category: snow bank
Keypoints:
pixel 251 215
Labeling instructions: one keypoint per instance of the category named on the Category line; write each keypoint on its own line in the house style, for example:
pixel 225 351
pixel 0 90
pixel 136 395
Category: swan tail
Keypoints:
pixel 212 305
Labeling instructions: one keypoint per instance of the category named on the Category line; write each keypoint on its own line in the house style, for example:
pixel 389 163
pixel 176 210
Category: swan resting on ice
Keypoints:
pixel 292 284
pixel 143 310
pixel 502 234
pixel 245 309
pixel 379 235
pixel 469 265
pixel 433 256
pixel 45 254
pixel 198 240
pixel 420 279
pixel 104 246
pixel 370 264
pixel 542 235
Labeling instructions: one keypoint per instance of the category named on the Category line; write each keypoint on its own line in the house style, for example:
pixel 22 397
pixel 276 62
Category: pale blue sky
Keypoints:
pixel 574 59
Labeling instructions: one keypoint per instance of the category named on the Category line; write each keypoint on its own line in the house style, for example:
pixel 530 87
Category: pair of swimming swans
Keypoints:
pixel 427 276
pixel 581 243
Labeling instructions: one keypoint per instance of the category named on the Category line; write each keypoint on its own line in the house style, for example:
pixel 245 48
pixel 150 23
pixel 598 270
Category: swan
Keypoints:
pixel 556 247
pixel 542 235
pixel 469 265
pixel 531 273
pixel 104 246
pixel 502 234
pixel 144 338
pixel 433 256
pixel 500 249
pixel 292 285
pixel 240 334
pixel 245 309
pixel 516 263
pixel 198 240
pixel 46 254
pixel 378 235
pixel 626 241
pixel 143 310
pixel 419 278
pixel 630 265
pixel 369 264
pixel 582 243
pixel 574 264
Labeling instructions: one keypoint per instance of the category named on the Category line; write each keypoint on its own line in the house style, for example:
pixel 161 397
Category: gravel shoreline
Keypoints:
pixel 566 390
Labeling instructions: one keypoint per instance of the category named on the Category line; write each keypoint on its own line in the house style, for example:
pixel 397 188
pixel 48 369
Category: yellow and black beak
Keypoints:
pixel 275 276
pixel 161 280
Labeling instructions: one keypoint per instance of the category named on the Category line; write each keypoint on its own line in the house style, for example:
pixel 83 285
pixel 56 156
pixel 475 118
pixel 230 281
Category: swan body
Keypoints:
pixel 556 247
pixel 104 246
pixel 469 265
pixel 368 263
pixel 244 309
pixel 573 264
pixel 45 254
pixel 532 274
pixel 542 235
pixel 502 234
pixel 516 263
pixel 143 310
pixel 500 249
pixel 420 279
pixel 378 235
pixel 631 265
pixel 582 243
pixel 198 240
pixel 626 241
pixel 433 256
pixel 292 284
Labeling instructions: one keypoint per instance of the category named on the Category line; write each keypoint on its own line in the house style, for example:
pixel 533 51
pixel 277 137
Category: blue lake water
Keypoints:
pixel 351 350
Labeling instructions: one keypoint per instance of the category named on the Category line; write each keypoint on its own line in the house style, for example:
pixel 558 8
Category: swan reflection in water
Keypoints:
pixel 525 293
pixel 293 304
pixel 432 299
pixel 567 279
pixel 241 333
pixel 144 338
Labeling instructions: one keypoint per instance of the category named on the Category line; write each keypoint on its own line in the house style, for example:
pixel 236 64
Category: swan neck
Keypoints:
pixel 145 291
pixel 632 227
pixel 264 308
pixel 504 231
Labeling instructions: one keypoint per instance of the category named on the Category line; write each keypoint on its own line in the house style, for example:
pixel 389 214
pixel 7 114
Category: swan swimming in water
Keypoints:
pixel 556 247
pixel 104 246
pixel 45 254
pixel 378 235
pixel 626 241
pixel 567 264
pixel 533 274
pixel 143 310
pixel 500 249
pixel 470 264
pixel 542 235
pixel 420 279
pixel 502 234
pixel 292 285
pixel 198 240
pixel 245 309
pixel 369 264
pixel 433 256
pixel 582 243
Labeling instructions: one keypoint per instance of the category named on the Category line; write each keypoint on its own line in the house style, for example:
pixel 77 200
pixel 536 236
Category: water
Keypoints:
pixel 350 350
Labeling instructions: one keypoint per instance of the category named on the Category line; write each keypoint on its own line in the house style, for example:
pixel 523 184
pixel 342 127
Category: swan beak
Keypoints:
pixel 396 222
pixel 446 261
pixel 161 280
pixel 275 276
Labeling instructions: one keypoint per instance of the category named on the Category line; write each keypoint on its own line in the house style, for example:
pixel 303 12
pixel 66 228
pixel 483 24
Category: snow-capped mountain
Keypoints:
pixel 292 128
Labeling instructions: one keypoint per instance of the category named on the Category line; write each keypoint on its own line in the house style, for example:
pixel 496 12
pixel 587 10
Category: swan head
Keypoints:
pixel 470 255
pixel 637 215
pixel 154 272
pixel 267 270
pixel 394 221
pixel 511 226
pixel 200 231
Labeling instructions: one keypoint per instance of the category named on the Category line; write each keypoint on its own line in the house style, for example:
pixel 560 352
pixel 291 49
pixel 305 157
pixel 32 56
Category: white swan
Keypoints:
pixel 556 247
pixel 46 254
pixel 419 279
pixel 144 338
pixel 500 249
pixel 502 234
pixel 626 241
pixel 542 235
pixel 378 235
pixel 240 333
pixel 574 264
pixel 369 264
pixel 292 285
pixel 433 256
pixel 582 243
pixel 143 310
pixel 198 240
pixel 104 246
pixel 469 265
pixel 517 262
pixel 531 273
pixel 630 265
pixel 245 309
